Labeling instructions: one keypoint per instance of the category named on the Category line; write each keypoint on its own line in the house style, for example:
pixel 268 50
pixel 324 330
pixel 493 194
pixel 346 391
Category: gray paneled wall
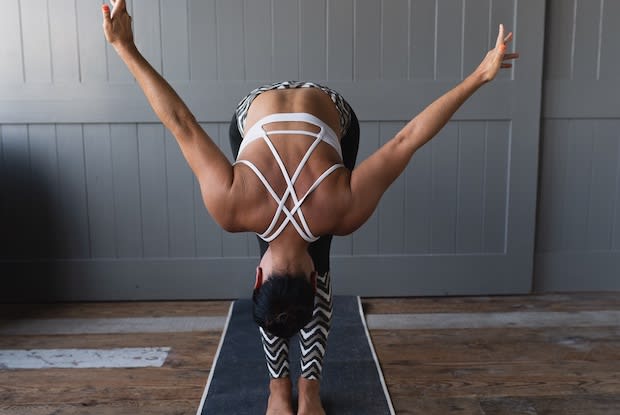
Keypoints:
pixel 117 209
pixel 578 237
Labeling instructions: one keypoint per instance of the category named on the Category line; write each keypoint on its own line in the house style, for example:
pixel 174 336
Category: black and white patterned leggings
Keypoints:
pixel 312 338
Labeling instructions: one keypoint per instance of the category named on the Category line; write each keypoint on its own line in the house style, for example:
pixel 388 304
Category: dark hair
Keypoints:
pixel 283 305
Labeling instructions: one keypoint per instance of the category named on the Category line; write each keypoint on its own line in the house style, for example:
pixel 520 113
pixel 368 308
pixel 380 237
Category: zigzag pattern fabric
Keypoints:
pixel 276 354
pixel 312 338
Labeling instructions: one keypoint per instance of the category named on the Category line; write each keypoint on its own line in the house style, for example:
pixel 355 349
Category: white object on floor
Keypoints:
pixel 83 358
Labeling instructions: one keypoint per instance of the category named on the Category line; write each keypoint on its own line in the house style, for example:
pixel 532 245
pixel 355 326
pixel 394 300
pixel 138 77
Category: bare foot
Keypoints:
pixel 280 397
pixel 309 397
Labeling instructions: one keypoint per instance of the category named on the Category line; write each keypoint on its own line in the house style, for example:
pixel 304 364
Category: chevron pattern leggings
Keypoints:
pixel 312 338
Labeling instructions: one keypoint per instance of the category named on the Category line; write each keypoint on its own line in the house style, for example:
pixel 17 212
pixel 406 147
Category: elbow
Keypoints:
pixel 405 139
pixel 228 223
pixel 225 217
pixel 182 123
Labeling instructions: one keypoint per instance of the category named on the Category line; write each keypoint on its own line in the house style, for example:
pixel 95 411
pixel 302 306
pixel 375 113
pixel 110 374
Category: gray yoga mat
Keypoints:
pixel 352 383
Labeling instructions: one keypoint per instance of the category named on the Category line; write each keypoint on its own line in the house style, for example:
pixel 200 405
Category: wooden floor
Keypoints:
pixel 522 368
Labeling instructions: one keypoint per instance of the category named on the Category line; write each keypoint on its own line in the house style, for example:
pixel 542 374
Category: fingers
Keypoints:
pixel 105 9
pixel 500 36
pixel 118 7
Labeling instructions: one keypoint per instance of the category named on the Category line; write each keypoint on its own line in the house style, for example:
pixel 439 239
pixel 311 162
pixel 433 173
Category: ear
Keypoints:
pixel 259 278
pixel 313 278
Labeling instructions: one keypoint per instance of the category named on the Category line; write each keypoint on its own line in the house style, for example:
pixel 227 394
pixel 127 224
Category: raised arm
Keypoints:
pixel 211 167
pixel 374 175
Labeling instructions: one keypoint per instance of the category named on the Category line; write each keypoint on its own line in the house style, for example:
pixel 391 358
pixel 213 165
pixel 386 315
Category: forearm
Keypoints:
pixel 429 122
pixel 166 103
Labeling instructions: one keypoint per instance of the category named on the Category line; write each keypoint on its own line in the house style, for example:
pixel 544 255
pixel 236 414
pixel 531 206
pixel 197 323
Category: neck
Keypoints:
pixel 292 258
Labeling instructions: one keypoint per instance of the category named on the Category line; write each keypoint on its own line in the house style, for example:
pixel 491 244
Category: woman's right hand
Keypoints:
pixel 497 57
pixel 117 24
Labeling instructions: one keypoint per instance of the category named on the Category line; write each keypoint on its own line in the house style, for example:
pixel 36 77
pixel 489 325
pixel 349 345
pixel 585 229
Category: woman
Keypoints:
pixel 293 183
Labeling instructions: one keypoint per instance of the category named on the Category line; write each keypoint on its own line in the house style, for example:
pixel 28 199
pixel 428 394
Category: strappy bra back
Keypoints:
pixel 325 134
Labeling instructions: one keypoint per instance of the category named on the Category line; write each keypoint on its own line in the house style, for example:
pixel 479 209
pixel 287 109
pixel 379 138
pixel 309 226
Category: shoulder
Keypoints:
pixel 247 202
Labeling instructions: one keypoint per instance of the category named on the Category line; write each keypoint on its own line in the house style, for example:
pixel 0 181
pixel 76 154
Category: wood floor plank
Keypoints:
pixel 115 309
pixel 547 302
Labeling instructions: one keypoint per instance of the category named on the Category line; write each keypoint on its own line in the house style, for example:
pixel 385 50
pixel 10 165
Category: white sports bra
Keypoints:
pixel 326 134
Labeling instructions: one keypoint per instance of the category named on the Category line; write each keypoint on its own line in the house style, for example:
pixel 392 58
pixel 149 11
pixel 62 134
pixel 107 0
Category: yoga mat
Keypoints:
pixel 352 380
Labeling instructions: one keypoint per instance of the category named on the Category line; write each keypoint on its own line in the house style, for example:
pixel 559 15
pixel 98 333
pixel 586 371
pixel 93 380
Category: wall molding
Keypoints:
pixel 215 101
pixel 599 99
pixel 226 278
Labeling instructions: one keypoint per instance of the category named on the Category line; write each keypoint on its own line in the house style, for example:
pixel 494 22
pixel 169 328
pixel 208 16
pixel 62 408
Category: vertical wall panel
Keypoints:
pixel 153 190
pixel 174 40
pixel 203 39
pixel 73 206
pixel 180 200
pixel 44 191
pixel 609 67
pixel 229 15
pixel 604 168
pixel 258 39
pixel 285 39
pixel 208 233
pixel 35 34
pixel 418 201
pixel 147 31
pixel 392 206
pixel 615 224
pixel 553 185
pixel 11 45
pixel 586 39
pixel 578 174
pixel 18 206
pixel 100 190
pixel 340 40
pixel 475 35
pixel 449 29
pixel 496 170
pixel 395 56
pixel 367 40
pixel 313 39
pixel 4 189
pixel 42 149
pixel 445 152
pixel 470 187
pixel 423 26
pixel 92 44
pixel 126 178
pixel 366 238
pixel 64 41
pixel 558 59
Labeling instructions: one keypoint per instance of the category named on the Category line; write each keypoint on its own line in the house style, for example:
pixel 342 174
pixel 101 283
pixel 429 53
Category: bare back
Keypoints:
pixel 327 202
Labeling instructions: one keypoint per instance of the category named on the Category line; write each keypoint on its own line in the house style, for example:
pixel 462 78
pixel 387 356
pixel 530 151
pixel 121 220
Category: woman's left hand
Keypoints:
pixel 117 24
pixel 497 58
